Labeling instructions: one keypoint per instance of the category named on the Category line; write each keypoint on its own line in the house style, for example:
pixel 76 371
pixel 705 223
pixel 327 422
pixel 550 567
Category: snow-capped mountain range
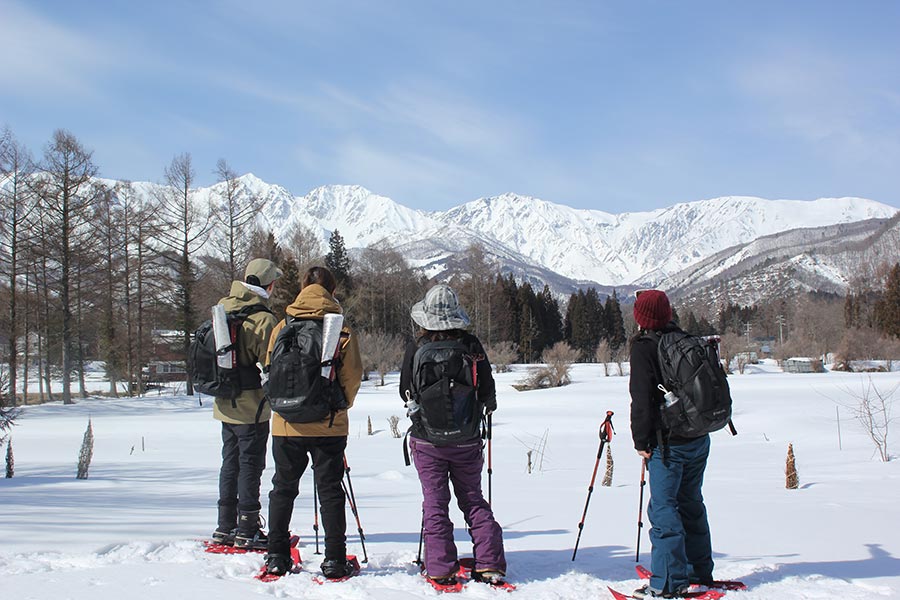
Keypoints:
pixel 548 242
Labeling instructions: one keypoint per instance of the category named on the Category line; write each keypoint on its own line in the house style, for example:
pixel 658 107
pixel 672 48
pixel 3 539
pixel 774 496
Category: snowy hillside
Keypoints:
pixel 825 259
pixel 582 245
pixel 538 239
pixel 132 529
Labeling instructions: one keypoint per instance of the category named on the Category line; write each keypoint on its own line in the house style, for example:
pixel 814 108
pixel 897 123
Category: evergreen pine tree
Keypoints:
pixel 691 325
pixel 287 287
pixel 338 261
pixel 570 325
pixel 887 309
pixel 614 325
pixel 529 324
pixel 705 327
pixel 551 317
pixel 505 311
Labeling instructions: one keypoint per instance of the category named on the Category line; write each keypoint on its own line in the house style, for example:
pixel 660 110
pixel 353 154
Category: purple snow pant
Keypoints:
pixel 437 467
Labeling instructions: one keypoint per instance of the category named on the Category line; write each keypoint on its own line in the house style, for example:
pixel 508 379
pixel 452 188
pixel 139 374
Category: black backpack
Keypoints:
pixel 297 391
pixel 691 370
pixel 206 374
pixel 444 385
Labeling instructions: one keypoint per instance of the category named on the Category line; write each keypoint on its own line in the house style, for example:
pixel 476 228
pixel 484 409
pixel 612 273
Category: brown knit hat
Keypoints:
pixel 652 309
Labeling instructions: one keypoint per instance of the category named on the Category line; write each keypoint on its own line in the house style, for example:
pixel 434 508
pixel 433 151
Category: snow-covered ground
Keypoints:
pixel 133 528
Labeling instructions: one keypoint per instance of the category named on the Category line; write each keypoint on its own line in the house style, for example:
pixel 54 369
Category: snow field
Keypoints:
pixel 133 526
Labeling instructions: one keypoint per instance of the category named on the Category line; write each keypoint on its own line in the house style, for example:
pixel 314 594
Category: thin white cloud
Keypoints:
pixel 403 172
pixel 824 101
pixel 41 57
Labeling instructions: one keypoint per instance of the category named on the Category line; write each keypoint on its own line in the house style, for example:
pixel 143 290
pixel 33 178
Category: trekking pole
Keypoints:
pixel 316 512
pixel 637 552
pixel 421 540
pixel 490 463
pixel 352 501
pixel 606 432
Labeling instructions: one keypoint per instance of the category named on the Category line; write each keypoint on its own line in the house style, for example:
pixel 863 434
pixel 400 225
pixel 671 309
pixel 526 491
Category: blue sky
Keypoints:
pixel 617 106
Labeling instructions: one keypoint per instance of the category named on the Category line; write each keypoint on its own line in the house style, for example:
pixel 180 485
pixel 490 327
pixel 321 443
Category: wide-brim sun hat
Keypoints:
pixel 440 310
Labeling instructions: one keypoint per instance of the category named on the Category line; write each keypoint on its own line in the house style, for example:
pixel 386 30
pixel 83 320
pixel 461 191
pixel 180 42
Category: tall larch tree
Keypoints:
pixel 185 226
pixel 16 205
pixel 68 198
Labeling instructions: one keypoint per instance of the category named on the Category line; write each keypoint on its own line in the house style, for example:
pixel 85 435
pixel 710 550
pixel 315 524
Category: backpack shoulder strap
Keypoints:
pixel 246 311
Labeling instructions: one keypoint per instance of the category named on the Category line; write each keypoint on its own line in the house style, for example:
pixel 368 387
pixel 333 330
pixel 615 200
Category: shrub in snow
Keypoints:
pixel 791 480
pixel 559 360
pixel 86 453
pixel 873 411
pixel 394 422
pixel 10 461
pixel 502 355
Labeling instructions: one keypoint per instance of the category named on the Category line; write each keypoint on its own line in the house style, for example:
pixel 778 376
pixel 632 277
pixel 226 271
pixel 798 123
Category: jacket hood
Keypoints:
pixel 313 301
pixel 241 296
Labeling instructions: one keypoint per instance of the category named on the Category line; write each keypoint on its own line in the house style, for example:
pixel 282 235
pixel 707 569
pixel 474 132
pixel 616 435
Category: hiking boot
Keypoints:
pixel 450 580
pixel 249 535
pixel 257 541
pixel 279 564
pixel 491 577
pixel 336 568
pixel 226 538
pixel 646 591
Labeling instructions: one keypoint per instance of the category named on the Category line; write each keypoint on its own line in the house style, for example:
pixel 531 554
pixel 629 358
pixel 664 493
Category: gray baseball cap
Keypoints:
pixel 440 310
pixel 264 269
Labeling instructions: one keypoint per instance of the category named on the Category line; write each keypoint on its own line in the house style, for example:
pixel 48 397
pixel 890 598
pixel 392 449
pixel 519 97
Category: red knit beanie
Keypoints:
pixel 652 310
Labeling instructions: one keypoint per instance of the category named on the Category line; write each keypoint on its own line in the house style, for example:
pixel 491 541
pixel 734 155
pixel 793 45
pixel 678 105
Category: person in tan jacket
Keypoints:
pixel 244 438
pixel 293 444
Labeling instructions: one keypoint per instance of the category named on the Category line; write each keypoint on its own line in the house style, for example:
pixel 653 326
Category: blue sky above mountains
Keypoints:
pixel 613 106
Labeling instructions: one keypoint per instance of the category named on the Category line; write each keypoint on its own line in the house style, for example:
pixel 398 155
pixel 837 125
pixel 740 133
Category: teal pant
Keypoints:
pixel 679 533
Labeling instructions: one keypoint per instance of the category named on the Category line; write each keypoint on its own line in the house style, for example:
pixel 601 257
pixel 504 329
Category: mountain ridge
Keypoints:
pixel 546 242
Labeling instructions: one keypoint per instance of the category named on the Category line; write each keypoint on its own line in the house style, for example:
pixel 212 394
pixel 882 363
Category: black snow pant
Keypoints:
pixel 292 454
pixel 243 461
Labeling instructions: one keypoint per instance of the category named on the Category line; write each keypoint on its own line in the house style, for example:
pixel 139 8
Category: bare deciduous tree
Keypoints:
pixel 234 212
pixel 16 204
pixel 303 244
pixel 381 352
pixel 68 197
pixel 873 410
pixel 604 355
pixel 185 226
pixel 385 287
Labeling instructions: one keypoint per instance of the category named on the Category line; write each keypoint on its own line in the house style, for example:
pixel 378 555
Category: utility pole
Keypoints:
pixel 780 320
pixel 747 332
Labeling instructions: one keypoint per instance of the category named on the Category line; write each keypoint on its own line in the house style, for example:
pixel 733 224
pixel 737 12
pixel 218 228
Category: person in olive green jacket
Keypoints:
pixel 244 438
pixel 294 443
